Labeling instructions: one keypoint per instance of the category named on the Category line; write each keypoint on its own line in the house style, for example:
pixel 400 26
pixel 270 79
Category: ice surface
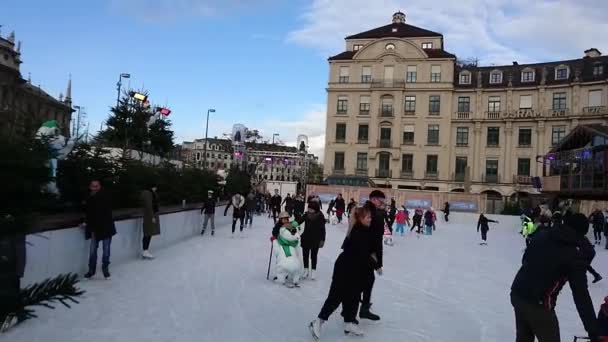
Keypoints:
pixel 444 287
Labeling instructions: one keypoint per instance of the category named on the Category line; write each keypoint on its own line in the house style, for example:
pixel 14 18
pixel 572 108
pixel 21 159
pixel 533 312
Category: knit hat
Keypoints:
pixel 283 214
pixel 314 206
pixel 377 193
pixel 578 222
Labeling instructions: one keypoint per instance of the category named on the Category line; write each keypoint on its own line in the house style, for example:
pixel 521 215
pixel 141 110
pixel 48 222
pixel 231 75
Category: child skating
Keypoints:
pixel 400 220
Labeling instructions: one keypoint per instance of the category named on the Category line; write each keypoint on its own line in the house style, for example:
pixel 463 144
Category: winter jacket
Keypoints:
pixel 275 202
pixel 446 209
pixel 340 204
pixel 483 223
pixel 376 231
pixel 149 201
pixel 288 203
pixel 299 206
pixel 351 205
pixel 250 202
pixel 209 206
pixel 400 218
pixel 99 221
pixel 238 205
pixel 597 220
pixel 314 229
pixel 331 205
pixel 428 217
pixel 357 252
pixel 553 258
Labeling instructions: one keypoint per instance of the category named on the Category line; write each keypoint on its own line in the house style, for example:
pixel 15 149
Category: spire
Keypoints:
pixel 19 47
pixel 60 96
pixel 11 37
pixel 29 77
pixel 68 92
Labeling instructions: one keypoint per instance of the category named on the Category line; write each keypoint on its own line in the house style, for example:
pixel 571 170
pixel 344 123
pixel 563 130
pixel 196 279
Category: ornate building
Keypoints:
pixel 23 106
pixel 405 113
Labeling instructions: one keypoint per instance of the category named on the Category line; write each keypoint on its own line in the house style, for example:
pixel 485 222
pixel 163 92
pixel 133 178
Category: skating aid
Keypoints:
pixel 269 260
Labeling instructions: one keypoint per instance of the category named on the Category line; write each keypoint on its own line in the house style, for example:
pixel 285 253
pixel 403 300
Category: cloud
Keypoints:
pixel 495 31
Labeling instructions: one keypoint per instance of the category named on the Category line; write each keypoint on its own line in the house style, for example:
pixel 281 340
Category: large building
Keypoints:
pixel 407 114
pixel 24 106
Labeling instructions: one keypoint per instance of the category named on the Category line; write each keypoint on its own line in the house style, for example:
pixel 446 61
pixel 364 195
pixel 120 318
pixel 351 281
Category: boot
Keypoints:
pixel 90 274
pixel 305 274
pixel 352 329
pixel 315 328
pixel 106 272
pixel 203 232
pixel 598 278
pixel 366 314
pixel 212 232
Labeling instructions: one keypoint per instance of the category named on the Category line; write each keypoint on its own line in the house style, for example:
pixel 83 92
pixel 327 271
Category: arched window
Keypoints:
pixel 495 77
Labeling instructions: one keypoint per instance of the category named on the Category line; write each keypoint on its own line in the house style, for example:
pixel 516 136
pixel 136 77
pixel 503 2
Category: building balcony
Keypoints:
pixel 462 116
pixel 409 112
pixel 388 83
pixel 563 112
pixel 595 110
pixel 407 174
pixel 383 173
pixel 361 172
pixel 522 180
pixel 493 115
pixel 458 177
pixel 386 111
pixel 491 179
pixel 363 141
pixel 384 143
pixel 431 174
pixel 363 111
pixel 340 141
pixel 338 171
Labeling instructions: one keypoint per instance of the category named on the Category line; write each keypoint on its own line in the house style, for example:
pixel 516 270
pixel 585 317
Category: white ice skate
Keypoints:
pixel 9 322
pixel 147 255
pixel 315 328
pixel 312 275
pixel 352 329
pixel 305 274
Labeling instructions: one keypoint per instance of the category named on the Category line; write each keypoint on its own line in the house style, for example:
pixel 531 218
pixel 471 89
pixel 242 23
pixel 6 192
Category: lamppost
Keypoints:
pixel 274 135
pixel 206 137
pixel 77 128
pixel 119 85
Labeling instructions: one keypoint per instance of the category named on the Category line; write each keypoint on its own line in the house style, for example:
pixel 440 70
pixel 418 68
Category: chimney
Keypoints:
pixel 592 53
pixel 515 63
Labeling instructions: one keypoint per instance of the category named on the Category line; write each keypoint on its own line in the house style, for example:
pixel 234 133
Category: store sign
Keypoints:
pixel 524 113
pixel 464 206
pixel 326 198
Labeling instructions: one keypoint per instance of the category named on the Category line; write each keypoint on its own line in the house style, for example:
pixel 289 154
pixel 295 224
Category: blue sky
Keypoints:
pixel 263 62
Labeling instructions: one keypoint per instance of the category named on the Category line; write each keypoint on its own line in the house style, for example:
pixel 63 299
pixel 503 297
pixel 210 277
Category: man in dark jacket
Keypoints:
pixel 553 258
pixel 446 211
pixel 99 227
pixel 351 205
pixel 275 205
pixel 376 205
pixel 299 207
pixel 482 224
pixel 208 211
pixel 250 204
pixel 340 206
pixel 598 221
pixel 312 238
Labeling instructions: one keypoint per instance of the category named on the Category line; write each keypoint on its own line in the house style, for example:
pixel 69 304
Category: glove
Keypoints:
pixel 272 238
pixel 321 243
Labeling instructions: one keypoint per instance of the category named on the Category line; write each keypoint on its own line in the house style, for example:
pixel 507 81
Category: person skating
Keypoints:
pixel 99 227
pixel 267 200
pixel 598 221
pixel 417 220
pixel 434 218
pixel 482 224
pixel 428 222
pixel 312 238
pixel 250 206
pixel 446 211
pixel 400 219
pixel 554 257
pixel 340 206
pixel 289 204
pixel 237 202
pixel 390 214
pixel 151 226
pixel 528 229
pixel 299 207
pixel 208 211
pixel 350 276
pixel 275 204
pixel 351 205
pixel 330 209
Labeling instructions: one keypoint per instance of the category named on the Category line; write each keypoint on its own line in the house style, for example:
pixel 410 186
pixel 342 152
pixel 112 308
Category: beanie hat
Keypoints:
pixel 578 222
pixel 314 206
pixel 377 194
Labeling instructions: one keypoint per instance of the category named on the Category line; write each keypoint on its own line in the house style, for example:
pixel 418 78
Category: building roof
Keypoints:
pixel 395 30
pixel 346 55
pixel 580 136
pixel 37 91
pixel 432 53
pixel 270 147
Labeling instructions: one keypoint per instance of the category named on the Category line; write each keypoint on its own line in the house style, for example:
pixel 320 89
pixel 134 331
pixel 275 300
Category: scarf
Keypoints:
pixel 286 244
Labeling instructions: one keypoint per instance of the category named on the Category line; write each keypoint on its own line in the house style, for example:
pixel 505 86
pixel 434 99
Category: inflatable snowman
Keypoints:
pixel 286 250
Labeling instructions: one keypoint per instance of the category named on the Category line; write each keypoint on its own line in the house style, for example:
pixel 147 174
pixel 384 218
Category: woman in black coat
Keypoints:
pixel 446 211
pixel 312 238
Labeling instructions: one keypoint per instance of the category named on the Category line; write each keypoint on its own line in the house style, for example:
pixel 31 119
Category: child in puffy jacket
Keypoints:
pixel 400 221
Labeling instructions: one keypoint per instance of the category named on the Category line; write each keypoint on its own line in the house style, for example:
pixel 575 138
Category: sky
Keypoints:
pixel 263 63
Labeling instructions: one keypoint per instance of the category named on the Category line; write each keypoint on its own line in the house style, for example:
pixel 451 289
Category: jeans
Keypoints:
pixel 533 320
pixel 249 217
pixel 206 219
pixel 484 234
pixel 429 229
pixel 234 219
pixel 400 228
pixel 105 260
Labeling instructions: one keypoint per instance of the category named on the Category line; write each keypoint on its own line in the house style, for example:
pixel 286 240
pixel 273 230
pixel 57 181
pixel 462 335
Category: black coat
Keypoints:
pixel 299 206
pixel 376 231
pixel 209 206
pixel 446 209
pixel 354 264
pixel 598 220
pixel 99 221
pixel 351 205
pixel 483 223
pixel 314 230
pixel 554 257
pixel 275 202
pixel 340 204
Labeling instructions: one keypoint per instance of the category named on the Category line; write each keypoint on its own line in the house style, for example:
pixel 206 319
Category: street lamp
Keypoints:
pixel 274 135
pixel 119 85
pixel 206 136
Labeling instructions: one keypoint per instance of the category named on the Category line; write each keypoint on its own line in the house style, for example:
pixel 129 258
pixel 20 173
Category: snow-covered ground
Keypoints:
pixel 443 287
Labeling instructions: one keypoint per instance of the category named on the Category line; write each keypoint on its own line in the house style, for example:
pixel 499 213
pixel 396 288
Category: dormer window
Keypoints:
pixel 357 47
pixel 390 46
pixel 527 75
pixel 427 45
pixel 465 77
pixel 561 72
pixel 598 69
pixel 496 77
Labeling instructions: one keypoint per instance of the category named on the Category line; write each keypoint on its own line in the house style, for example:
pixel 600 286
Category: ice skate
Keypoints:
pixel 315 328
pixel 312 275
pixel 9 322
pixel 597 279
pixel 352 329
pixel 305 274
pixel 203 232
pixel 147 255
pixel 367 314
pixel 89 274
pixel 106 273
pixel 212 232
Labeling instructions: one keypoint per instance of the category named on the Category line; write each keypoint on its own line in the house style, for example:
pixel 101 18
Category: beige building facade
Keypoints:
pixel 405 113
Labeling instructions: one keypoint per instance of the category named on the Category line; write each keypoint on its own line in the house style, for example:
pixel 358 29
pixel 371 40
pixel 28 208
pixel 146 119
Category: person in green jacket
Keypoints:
pixel 528 228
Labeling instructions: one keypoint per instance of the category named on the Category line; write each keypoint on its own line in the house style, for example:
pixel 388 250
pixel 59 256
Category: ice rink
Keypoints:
pixel 444 287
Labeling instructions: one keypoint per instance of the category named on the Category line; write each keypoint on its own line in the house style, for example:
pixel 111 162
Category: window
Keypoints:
pixel 462 136
pixel 525 137
pixel 342 104
pixel 343 75
pixel 598 69
pixel 361 161
pixel 491 169
pixel 525 102
pixel 364 105
pixel 339 161
pixel 408 135
pixel 557 134
pixel 363 134
pixel 411 74
pixel 494 104
pixel 527 75
pixel 434 104
pixel 390 46
pixel 436 73
pixel 561 73
pixel 387 106
pixel 461 168
pixel 410 104
pixel 559 101
pixel 357 47
pixel 212 164
pixel 427 45
pixel 465 77
pixel 340 132
pixel 433 135
pixel 496 77
pixel 523 166
pixel 464 104
pixel 366 74
pixel 595 98
pixel 407 163
pixel 431 164
pixel 385 133
pixel 493 136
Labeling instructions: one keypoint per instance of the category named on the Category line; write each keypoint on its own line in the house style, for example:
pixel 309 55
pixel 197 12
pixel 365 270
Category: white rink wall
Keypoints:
pixel 64 251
